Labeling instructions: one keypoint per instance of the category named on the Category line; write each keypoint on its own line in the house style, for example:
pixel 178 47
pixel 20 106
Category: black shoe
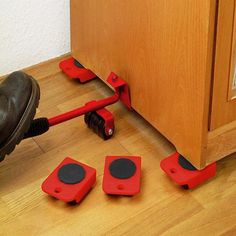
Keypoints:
pixel 19 99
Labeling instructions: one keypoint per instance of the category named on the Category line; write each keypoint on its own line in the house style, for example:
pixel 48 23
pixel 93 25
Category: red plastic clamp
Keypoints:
pixel 70 68
pixel 108 117
pixel 184 174
pixel 70 181
pixel 122 175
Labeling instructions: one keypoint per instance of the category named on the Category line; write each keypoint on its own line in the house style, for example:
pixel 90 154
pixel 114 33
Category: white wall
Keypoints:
pixel 32 31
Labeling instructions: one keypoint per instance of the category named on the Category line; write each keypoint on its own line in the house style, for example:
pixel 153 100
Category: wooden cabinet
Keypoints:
pixel 178 57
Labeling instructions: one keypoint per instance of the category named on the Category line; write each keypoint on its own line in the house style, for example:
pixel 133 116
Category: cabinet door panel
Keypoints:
pixel 232 83
pixel 224 88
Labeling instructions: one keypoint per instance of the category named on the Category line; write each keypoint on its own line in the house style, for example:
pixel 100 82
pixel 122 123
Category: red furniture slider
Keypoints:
pixel 122 175
pixel 70 181
pixel 183 173
pixel 74 70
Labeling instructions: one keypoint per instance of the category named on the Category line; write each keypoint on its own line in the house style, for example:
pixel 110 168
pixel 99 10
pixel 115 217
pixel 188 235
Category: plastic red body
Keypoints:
pixel 74 72
pixel 69 192
pixel 108 117
pixel 121 88
pixel 185 177
pixel 123 187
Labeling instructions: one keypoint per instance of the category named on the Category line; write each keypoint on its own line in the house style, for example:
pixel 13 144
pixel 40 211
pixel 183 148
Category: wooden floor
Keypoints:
pixel 162 208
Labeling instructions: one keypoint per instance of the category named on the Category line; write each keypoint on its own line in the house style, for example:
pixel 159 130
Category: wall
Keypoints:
pixel 32 31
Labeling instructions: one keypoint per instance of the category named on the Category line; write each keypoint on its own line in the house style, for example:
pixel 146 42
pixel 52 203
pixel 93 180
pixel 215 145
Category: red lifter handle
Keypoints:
pixel 121 92
pixel 91 106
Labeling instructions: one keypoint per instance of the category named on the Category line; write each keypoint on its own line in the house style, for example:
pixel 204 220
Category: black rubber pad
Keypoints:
pixel 122 168
pixel 186 164
pixel 71 174
pixel 77 63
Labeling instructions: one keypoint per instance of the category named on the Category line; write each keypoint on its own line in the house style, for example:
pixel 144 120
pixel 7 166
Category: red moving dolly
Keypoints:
pixel 183 173
pixel 70 181
pixel 99 119
pixel 75 70
pixel 122 175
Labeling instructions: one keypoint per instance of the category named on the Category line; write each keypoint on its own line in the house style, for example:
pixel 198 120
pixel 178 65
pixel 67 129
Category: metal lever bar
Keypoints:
pixel 91 106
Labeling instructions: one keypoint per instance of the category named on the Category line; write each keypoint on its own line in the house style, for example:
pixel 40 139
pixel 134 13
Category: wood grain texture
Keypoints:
pixel 223 110
pixel 232 82
pixel 163 49
pixel 221 142
pixel 160 209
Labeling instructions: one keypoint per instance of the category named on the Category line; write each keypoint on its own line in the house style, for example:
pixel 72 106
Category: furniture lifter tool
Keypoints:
pixel 96 116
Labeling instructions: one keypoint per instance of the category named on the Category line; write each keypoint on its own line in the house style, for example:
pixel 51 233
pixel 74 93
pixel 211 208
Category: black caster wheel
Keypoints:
pixel 185 187
pixel 95 122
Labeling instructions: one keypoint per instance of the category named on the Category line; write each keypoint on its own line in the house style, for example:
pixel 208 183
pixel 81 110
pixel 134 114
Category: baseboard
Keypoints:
pixel 43 69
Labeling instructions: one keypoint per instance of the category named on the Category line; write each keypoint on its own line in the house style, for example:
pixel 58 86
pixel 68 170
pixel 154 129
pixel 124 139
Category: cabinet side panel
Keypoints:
pixel 163 49
pixel 223 109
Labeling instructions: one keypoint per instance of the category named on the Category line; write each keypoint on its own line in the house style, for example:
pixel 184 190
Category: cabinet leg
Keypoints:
pixel 183 173
pixel 74 70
